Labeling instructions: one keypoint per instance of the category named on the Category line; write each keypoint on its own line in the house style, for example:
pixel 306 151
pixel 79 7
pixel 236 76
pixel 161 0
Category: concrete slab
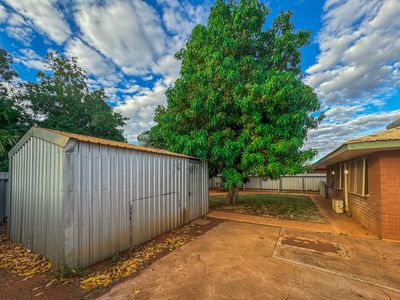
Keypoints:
pixel 235 260
pixel 275 222
pixel 341 223
pixel 201 222
pixel 373 261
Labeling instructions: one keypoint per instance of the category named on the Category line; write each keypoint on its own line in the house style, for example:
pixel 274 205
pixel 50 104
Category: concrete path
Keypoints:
pixel 341 223
pixel 237 260
pixel 337 223
pixel 275 222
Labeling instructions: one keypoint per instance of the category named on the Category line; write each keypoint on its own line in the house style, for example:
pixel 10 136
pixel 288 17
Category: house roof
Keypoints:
pixel 61 138
pixel 387 135
pixel 384 140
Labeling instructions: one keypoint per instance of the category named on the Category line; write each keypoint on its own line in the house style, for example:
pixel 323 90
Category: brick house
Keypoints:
pixel 365 174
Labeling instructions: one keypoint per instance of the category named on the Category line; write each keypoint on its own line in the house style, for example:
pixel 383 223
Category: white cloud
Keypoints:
pixel 20 33
pixel 140 109
pixel 331 135
pixel 360 45
pixel 3 14
pixel 16 26
pixel 91 60
pixel 46 17
pixel 127 32
pixel 357 70
pixel 180 17
pixel 141 42
pixel 31 60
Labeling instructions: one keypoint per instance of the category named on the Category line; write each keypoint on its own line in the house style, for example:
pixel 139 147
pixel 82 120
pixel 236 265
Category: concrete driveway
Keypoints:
pixel 237 260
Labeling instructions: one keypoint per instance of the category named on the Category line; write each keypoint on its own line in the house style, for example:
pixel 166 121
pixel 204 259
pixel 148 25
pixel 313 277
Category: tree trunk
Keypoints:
pixel 232 196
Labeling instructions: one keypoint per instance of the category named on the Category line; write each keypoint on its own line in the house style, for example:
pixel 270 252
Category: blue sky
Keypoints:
pixel 127 48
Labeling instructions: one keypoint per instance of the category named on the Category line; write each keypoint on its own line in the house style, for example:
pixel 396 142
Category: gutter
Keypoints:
pixel 373 146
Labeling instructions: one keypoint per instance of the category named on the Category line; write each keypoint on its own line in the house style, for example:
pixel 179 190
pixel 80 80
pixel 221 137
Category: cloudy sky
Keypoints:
pixel 127 47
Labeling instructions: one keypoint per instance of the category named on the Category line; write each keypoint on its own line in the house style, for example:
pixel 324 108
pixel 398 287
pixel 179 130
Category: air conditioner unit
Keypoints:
pixel 337 206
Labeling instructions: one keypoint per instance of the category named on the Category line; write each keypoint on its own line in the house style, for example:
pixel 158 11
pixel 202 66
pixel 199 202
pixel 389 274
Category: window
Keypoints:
pixel 358 177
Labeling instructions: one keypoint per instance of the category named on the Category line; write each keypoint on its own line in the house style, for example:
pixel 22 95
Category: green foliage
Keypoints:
pixel 62 100
pixel 13 122
pixel 240 101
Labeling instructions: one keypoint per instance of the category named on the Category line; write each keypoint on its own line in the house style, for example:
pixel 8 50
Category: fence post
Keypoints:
pixel 280 184
pixel 302 183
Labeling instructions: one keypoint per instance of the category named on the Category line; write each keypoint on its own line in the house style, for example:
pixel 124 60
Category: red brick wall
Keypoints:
pixel 379 211
pixel 366 209
pixel 390 194
pixel 363 209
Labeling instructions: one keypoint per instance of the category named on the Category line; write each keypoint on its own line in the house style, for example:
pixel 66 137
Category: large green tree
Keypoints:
pixel 240 101
pixel 61 99
pixel 13 121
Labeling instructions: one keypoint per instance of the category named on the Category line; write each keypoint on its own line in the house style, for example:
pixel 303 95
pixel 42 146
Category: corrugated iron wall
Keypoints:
pixel 120 198
pixel 3 195
pixel 300 182
pixel 36 173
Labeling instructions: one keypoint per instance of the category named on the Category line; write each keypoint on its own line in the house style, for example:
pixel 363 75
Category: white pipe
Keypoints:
pixel 346 189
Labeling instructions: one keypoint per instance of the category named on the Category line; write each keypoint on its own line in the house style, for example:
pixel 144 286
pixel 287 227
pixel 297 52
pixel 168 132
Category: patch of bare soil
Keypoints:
pixel 27 275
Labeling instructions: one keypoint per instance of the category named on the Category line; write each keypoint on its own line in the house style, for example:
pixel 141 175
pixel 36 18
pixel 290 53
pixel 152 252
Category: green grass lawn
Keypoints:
pixel 291 207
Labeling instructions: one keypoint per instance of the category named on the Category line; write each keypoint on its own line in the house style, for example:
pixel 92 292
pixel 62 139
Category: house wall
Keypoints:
pixel 390 194
pixel 379 211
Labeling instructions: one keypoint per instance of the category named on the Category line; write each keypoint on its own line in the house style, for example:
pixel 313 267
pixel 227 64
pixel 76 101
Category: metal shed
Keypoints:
pixel 3 194
pixel 78 199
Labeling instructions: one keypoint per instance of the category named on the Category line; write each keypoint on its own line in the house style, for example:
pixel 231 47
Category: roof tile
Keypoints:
pixel 387 135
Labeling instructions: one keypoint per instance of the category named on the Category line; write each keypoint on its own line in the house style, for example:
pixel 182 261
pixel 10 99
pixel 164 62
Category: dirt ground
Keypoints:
pixel 49 285
pixel 245 257
pixel 236 260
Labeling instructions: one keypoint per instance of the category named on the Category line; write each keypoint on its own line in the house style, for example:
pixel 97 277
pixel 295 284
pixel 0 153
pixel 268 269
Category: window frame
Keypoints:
pixel 355 172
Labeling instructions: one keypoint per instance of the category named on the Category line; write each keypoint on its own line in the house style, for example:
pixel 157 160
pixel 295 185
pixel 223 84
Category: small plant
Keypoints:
pixel 116 257
pixel 69 272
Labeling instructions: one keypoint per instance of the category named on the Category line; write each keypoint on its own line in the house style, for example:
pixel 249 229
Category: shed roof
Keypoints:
pixel 384 140
pixel 61 138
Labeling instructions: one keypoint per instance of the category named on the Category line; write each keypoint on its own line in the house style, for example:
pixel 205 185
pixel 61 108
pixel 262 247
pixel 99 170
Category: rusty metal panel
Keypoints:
pixel 120 198
pixel 35 214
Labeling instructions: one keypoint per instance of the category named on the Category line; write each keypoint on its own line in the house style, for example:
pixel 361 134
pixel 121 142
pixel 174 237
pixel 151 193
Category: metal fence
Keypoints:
pixel 3 195
pixel 300 182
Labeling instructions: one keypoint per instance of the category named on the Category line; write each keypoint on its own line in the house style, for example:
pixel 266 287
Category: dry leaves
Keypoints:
pixel 127 267
pixel 19 260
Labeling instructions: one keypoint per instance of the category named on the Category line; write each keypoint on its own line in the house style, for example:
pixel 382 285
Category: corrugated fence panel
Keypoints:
pixel 300 182
pixel 36 198
pixel 312 183
pixel 270 184
pixel 122 198
pixel 3 195
pixel 254 182
pixel 291 183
